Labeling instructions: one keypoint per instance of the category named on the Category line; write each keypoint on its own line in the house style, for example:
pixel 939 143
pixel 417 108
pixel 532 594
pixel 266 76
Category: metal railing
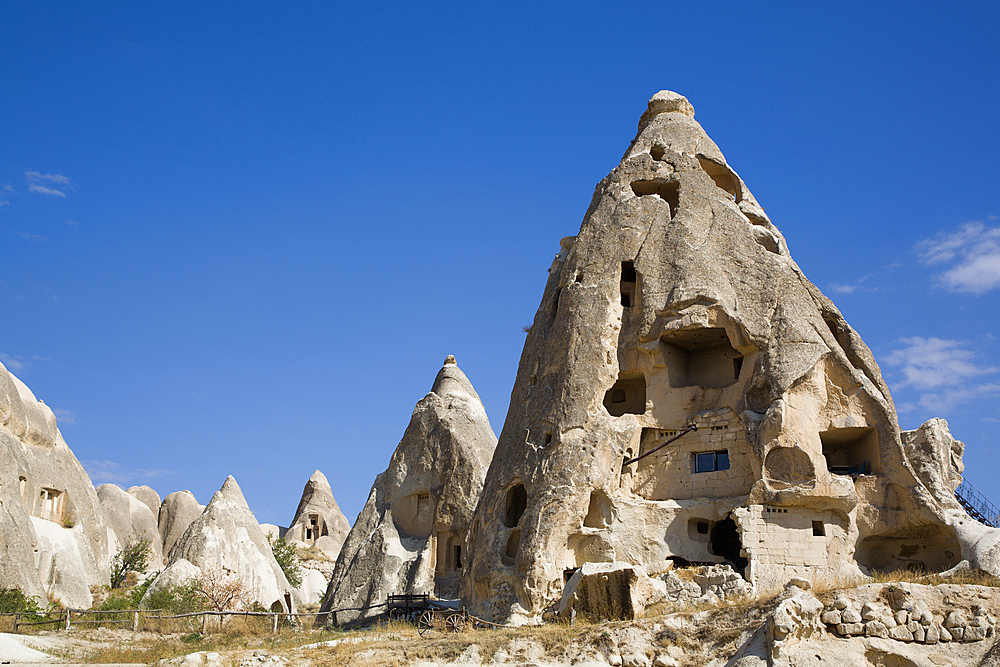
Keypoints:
pixel 976 504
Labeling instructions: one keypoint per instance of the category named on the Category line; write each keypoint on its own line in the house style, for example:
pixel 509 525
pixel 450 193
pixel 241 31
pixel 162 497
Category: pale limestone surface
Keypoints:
pixel 148 495
pixel 318 521
pixel 410 536
pixel 128 518
pixel 53 541
pixel 678 305
pixel 227 537
pixel 176 513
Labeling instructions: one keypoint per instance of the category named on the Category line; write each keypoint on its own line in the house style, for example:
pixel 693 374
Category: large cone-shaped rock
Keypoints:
pixel 318 521
pixel 678 306
pixel 410 536
pixel 177 511
pixel 129 519
pixel 226 539
pixel 53 542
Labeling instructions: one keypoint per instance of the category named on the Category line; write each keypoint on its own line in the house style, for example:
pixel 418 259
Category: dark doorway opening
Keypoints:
pixel 725 542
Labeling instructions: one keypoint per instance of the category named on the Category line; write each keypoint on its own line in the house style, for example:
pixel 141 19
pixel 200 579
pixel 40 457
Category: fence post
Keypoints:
pixel 135 621
pixel 17 617
pixel 67 618
pixel 274 624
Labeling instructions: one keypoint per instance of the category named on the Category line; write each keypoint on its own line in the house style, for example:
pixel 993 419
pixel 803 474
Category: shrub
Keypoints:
pixel 288 559
pixel 133 557
pixel 224 590
pixel 13 601
pixel 181 599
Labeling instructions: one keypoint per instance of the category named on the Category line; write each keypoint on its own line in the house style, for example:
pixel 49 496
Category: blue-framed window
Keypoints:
pixel 711 461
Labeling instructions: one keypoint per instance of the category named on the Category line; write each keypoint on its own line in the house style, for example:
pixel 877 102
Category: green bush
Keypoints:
pixel 181 599
pixel 133 557
pixel 13 601
pixel 288 559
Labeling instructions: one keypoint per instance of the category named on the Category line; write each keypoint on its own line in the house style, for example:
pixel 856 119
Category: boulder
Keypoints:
pixel 312 589
pixel 53 541
pixel 612 591
pixel 410 536
pixel 129 519
pixel 149 497
pixel 178 573
pixel 226 540
pixel 176 513
pixel 318 521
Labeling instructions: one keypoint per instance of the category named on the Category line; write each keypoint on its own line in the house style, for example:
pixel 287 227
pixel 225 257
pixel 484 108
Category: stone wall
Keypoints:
pixel 670 474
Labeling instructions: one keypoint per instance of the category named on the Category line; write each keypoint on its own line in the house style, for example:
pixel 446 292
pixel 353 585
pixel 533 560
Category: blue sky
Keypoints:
pixel 241 238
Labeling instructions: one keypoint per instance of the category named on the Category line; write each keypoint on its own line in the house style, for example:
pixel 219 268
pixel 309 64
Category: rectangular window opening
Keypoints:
pixel 819 530
pixel 711 461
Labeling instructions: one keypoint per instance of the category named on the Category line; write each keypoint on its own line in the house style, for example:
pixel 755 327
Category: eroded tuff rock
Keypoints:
pixel 227 540
pixel 53 541
pixel 410 536
pixel 678 306
pixel 148 495
pixel 318 521
pixel 177 511
pixel 128 518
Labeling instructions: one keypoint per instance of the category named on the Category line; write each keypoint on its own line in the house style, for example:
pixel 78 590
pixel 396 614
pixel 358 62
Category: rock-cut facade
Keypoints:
pixel 686 395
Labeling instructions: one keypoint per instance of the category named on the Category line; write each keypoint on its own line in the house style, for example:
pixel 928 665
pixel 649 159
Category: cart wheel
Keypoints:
pixel 455 623
pixel 425 623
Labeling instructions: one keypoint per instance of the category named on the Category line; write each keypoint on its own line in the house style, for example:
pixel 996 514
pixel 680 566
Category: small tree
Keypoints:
pixel 224 589
pixel 288 559
pixel 133 557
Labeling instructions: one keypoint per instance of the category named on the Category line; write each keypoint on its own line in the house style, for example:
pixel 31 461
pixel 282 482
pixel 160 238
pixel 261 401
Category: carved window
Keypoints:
pixel 50 504
pixel 711 461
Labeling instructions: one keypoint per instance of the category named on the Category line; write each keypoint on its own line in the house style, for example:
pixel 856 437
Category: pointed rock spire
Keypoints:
pixel 410 536
pixel 318 521
pixel 676 306
pixel 227 538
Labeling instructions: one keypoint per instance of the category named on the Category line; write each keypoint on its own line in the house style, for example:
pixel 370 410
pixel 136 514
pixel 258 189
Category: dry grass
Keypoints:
pixel 824 585
pixel 312 553
pixel 102 647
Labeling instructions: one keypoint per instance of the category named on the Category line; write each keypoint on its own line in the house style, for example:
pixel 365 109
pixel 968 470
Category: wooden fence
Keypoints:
pixel 137 619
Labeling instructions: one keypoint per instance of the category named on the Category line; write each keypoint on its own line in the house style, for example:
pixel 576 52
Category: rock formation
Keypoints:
pixel 53 541
pixel 177 511
pixel 148 495
pixel 318 521
pixel 226 539
pixel 128 519
pixel 410 536
pixel 678 307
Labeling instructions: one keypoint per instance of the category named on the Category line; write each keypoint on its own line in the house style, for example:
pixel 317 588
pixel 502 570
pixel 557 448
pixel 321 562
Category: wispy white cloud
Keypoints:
pixel 72 223
pixel 7 187
pixel 64 416
pixel 110 472
pixel 33 238
pixel 943 371
pixel 4 202
pixel 929 363
pixel 43 183
pixel 972 250
pixel 15 363
pixel 850 288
